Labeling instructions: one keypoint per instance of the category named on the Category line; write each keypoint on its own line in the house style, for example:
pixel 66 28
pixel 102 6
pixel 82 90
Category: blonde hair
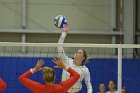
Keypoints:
pixel 48 74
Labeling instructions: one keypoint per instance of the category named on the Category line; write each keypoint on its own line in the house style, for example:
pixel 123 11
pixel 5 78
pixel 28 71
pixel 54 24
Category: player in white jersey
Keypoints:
pixel 76 63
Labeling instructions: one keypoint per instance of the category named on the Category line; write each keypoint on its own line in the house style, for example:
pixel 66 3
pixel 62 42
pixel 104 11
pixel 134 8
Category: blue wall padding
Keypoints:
pixel 101 70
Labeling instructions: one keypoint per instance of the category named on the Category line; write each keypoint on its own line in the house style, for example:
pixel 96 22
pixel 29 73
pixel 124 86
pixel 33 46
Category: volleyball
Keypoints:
pixel 60 21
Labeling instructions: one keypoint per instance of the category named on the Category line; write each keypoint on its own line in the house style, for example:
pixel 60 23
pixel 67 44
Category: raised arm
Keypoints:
pixel 67 84
pixel 61 51
pixel 3 85
pixel 87 81
pixel 32 85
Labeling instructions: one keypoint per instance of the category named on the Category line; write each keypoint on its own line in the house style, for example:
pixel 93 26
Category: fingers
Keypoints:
pixel 40 62
pixel 56 60
pixel 39 65
pixel 42 68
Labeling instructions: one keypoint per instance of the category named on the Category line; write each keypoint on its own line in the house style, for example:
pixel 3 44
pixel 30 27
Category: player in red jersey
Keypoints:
pixel 49 77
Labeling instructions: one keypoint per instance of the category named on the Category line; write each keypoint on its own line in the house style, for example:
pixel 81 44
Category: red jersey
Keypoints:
pixel 62 87
pixel 3 85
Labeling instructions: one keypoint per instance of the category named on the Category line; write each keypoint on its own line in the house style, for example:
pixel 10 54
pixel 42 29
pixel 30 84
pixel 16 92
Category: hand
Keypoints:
pixel 66 28
pixel 39 65
pixel 59 63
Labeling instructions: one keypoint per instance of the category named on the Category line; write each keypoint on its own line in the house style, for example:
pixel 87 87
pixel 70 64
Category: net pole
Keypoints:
pixel 119 67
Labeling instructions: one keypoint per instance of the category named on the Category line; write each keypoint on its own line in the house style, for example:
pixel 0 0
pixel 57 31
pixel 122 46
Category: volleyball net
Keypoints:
pixel 118 62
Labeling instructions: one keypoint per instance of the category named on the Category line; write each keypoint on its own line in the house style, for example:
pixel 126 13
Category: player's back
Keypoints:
pixel 56 88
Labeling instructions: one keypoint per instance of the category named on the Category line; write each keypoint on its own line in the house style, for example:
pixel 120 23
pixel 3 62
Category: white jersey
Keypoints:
pixel 82 70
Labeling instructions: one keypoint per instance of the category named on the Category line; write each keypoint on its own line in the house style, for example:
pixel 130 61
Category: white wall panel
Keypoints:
pixel 82 15
pixel 10 14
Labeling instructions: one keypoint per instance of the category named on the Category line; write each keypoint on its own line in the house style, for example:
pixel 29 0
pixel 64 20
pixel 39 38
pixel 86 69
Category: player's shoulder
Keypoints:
pixel 84 68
